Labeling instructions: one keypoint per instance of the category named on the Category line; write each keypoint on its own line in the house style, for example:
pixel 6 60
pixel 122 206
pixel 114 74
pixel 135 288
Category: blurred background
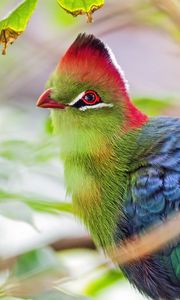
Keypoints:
pixel 45 253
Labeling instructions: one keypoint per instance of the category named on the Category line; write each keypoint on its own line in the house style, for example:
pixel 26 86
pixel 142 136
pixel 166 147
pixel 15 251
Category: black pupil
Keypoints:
pixel 89 97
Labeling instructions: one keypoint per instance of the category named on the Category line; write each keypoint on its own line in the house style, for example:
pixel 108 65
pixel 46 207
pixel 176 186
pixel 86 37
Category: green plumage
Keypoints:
pixel 96 159
pixel 121 168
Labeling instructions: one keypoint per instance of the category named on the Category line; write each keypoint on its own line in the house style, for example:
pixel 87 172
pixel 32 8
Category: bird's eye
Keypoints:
pixel 91 97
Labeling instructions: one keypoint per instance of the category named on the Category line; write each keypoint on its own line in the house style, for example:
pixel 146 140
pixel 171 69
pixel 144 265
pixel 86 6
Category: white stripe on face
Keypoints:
pixel 95 106
pixel 98 105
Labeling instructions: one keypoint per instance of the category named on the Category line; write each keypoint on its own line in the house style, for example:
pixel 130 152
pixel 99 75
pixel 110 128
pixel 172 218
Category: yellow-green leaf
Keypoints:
pixel 81 7
pixel 15 23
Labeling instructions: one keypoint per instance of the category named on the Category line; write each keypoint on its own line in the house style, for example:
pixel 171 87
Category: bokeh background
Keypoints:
pixel 42 244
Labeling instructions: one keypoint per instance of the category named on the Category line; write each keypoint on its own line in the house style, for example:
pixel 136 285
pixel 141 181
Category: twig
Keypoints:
pixel 74 243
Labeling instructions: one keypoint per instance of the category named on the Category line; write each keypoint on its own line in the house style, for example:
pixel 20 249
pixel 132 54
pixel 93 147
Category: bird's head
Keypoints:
pixel 88 91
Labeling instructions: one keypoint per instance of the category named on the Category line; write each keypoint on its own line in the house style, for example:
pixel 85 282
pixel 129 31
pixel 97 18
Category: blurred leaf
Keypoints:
pixel 56 295
pixel 107 279
pixel 38 204
pixel 26 151
pixel 11 298
pixel 81 7
pixel 35 262
pixel 159 18
pixel 16 210
pixel 15 23
pixel 151 106
pixel 33 273
pixel 15 149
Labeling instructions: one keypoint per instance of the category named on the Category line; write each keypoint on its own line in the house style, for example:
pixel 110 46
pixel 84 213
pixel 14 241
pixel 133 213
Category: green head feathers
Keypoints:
pixel 95 120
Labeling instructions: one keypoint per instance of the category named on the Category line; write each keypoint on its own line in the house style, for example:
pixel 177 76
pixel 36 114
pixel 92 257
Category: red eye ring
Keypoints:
pixel 93 97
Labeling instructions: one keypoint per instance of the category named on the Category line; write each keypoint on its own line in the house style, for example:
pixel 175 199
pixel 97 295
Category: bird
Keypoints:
pixel 121 167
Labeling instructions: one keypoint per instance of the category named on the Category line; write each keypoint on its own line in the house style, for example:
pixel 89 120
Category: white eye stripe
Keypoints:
pixel 83 108
pixel 77 99
pixel 98 105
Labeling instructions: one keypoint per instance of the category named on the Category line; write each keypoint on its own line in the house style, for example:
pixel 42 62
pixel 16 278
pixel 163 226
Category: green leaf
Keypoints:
pixel 16 150
pixel 29 152
pixel 152 106
pixel 107 279
pixel 34 273
pixel 36 261
pixel 15 23
pixel 81 7
pixel 38 204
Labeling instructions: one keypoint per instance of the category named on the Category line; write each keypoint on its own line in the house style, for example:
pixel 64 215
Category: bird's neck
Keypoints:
pixel 96 177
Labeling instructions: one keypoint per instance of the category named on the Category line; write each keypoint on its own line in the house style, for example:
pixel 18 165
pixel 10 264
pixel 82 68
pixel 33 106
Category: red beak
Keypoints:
pixel 45 101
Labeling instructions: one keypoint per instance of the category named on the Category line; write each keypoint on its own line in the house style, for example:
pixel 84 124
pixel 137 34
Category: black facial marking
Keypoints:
pixel 79 104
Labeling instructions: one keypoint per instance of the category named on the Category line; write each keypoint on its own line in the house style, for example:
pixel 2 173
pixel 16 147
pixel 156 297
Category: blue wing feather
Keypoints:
pixel 153 193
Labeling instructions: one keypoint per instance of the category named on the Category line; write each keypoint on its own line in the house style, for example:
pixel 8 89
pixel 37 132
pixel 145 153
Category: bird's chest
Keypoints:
pixel 96 193
pixel 83 187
